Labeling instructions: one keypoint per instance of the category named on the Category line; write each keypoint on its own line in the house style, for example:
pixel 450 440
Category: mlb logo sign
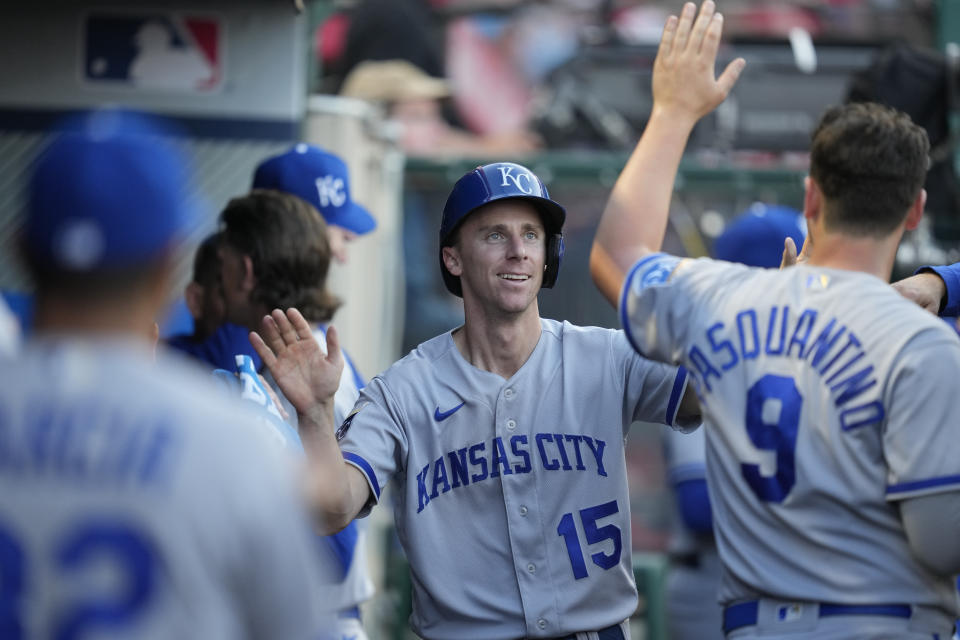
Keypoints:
pixel 154 51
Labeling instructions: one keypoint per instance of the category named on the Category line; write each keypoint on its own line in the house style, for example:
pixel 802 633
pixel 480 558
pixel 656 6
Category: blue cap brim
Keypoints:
pixel 356 219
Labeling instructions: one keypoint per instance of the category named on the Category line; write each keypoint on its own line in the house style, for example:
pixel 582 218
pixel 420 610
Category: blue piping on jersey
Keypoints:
pixel 906 487
pixel 679 384
pixel 624 320
pixel 357 378
pixel 367 470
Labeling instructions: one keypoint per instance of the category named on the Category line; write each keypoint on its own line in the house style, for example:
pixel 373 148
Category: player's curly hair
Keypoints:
pixel 286 239
pixel 870 162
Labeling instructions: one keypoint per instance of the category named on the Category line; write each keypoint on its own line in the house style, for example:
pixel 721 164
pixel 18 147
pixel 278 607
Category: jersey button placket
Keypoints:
pixel 519 494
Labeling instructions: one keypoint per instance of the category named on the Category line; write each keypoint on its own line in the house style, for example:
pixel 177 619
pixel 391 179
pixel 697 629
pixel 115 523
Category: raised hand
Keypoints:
pixel 790 257
pixel 306 375
pixel 684 82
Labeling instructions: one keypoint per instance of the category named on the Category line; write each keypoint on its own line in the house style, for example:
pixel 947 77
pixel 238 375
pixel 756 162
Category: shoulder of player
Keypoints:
pixel 598 344
pixel 168 396
pixel 661 269
pixel 418 366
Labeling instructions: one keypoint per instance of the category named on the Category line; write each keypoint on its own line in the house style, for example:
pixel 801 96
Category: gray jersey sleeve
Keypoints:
pixel 373 438
pixel 653 390
pixel 921 425
pixel 656 301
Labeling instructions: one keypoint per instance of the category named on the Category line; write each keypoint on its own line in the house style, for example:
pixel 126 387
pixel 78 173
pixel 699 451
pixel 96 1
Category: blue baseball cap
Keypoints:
pixel 756 236
pixel 321 179
pixel 110 191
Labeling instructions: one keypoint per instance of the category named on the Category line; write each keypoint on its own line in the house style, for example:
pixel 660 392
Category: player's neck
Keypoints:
pixel 869 255
pixel 132 316
pixel 499 345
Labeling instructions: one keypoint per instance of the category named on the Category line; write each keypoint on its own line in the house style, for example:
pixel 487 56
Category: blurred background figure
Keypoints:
pixel 214 342
pixel 754 238
pixel 322 180
pixel 275 254
pixel 134 503
pixel 413 100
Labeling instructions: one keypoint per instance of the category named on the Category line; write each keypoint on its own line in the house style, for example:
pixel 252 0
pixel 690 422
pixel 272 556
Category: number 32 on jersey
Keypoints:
pixel 84 545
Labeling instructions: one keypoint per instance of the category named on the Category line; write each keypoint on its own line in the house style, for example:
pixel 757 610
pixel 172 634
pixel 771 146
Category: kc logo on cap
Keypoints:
pixel 319 177
pixel 331 192
pixel 526 186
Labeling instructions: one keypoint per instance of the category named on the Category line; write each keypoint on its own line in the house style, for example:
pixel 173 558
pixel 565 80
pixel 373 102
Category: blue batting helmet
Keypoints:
pixel 501 181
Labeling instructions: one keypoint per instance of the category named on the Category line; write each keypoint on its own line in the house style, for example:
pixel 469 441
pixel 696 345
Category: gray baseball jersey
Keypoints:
pixel 512 498
pixel 827 398
pixel 138 503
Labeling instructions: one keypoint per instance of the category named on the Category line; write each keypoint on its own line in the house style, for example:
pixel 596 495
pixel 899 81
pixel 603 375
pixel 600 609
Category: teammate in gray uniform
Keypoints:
pixel 754 238
pixel 135 504
pixel 504 438
pixel 829 400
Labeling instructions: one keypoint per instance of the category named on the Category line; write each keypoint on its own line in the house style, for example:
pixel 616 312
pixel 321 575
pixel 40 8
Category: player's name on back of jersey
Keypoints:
pixel 86 442
pixel 829 347
pixel 487 460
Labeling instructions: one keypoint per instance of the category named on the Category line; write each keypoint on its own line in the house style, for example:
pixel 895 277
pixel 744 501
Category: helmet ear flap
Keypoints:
pixel 554 256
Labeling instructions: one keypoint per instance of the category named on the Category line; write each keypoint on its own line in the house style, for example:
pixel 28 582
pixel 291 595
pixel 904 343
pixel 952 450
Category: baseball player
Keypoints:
pixel 322 179
pixel 275 251
pixel 214 342
pixel 829 400
pixel 754 238
pixel 135 504
pixel 504 437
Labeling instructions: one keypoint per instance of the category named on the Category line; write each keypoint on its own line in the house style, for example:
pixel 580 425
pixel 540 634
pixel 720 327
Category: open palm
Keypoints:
pixel 304 373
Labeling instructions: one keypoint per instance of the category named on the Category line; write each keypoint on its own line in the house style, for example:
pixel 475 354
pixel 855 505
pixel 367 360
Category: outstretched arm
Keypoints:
pixel 685 89
pixel 936 289
pixel 309 378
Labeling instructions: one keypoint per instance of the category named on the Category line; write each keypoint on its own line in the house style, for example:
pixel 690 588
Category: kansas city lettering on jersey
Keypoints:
pixel 507 456
pixel 828 346
pixel 86 442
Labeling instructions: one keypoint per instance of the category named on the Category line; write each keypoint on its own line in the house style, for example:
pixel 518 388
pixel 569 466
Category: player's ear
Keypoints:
pixel 916 210
pixel 451 260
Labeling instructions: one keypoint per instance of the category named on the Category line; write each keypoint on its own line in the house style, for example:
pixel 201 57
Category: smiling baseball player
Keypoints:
pixel 829 401
pixel 504 438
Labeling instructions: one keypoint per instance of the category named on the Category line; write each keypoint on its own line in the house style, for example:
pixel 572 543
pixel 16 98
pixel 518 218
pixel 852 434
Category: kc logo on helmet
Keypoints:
pixel 522 180
pixel 331 191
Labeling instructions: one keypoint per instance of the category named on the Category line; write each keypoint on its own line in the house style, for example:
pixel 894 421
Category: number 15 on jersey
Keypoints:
pixel 594 534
